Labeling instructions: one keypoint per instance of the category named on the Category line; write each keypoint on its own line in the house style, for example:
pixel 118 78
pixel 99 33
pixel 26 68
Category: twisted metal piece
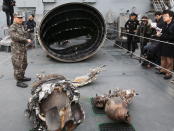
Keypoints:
pixel 89 77
pixel 116 103
pixel 54 104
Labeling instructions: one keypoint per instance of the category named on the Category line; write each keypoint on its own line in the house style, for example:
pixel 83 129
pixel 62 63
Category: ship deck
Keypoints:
pixel 151 110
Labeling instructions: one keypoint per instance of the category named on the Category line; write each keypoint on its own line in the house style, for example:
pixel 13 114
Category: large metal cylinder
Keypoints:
pixel 72 32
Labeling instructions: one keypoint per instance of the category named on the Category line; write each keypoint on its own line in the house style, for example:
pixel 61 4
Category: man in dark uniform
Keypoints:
pixel 8 8
pixel 18 47
pixel 30 27
pixel 131 28
pixel 167 50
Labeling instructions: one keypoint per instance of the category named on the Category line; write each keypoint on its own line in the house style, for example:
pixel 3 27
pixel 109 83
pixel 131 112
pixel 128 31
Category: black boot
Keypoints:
pixel 21 84
pixel 166 77
pixel 25 79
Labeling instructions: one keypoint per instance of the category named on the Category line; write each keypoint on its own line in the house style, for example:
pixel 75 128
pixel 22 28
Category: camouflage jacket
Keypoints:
pixel 19 38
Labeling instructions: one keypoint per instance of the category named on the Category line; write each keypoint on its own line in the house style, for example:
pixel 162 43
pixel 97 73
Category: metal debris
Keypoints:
pixel 116 103
pixel 73 41
pixel 88 78
pixel 54 104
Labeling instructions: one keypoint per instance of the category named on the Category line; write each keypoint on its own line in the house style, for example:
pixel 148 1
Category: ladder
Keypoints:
pixel 159 5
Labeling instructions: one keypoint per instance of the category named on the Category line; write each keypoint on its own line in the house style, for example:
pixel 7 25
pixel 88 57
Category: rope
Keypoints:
pixel 142 37
pixel 141 57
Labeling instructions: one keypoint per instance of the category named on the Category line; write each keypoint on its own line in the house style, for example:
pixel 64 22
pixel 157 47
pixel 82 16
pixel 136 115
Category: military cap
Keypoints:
pixel 18 15
pixel 133 14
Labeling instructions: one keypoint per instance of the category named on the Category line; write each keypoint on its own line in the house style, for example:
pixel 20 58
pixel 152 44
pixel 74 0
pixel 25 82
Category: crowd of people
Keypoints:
pixel 156 40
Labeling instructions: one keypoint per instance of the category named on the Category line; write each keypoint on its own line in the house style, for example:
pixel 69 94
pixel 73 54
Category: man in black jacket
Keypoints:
pixel 30 27
pixel 167 49
pixel 30 24
pixel 8 8
pixel 155 51
pixel 131 28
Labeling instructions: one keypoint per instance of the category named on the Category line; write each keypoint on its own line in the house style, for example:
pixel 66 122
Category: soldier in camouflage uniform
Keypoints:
pixel 18 48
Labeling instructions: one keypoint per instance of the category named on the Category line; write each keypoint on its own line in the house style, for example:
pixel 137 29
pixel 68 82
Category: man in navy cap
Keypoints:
pixel 131 28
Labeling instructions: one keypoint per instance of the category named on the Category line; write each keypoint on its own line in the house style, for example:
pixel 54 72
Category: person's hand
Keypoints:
pixel 29 41
pixel 158 34
pixel 153 25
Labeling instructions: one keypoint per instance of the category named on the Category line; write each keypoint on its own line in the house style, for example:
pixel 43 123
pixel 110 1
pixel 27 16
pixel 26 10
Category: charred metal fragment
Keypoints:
pixel 89 77
pixel 116 104
pixel 54 105
pixel 72 32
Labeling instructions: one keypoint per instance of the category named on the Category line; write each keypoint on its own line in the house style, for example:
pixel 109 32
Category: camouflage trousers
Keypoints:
pixel 19 62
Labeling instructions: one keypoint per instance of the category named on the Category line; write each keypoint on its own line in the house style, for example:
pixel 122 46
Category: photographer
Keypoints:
pixel 8 8
pixel 155 47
